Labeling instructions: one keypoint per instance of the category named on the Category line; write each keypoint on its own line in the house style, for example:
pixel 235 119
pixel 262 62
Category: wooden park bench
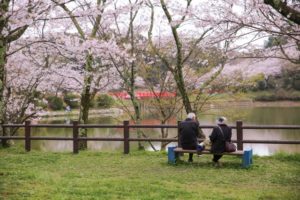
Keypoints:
pixel 173 155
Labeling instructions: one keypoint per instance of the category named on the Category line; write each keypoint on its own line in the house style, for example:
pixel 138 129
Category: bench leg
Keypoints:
pixel 247 158
pixel 251 154
pixel 171 155
pixel 177 156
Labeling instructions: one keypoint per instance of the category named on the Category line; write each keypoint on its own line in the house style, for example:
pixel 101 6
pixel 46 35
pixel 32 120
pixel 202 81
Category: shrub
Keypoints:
pixel 38 99
pixel 294 96
pixel 105 101
pixel 72 100
pixel 41 103
pixel 55 103
pixel 265 97
pixel 296 84
pixel 261 83
pixel 271 82
pixel 255 82
pixel 278 95
pixel 93 103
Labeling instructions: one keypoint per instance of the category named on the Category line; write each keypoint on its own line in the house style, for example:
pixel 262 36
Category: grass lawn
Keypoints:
pixel 144 175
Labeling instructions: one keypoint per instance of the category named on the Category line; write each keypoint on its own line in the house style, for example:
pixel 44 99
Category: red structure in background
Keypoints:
pixel 143 94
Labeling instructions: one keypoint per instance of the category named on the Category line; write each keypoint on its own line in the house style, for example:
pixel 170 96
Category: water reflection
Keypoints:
pixel 55 146
pixel 260 115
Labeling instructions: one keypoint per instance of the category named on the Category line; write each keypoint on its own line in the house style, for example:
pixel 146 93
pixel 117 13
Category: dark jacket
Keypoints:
pixel 218 139
pixel 188 134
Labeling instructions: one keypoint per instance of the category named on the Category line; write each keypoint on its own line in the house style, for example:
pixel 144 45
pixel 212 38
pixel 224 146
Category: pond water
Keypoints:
pixel 249 115
pixel 266 116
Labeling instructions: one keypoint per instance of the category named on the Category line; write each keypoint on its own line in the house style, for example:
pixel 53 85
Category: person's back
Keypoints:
pixel 189 132
pixel 219 135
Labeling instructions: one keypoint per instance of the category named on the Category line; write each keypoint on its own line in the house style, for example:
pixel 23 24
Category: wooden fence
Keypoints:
pixel 126 133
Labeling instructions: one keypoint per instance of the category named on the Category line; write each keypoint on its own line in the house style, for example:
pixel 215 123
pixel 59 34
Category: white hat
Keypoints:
pixel 191 115
pixel 221 120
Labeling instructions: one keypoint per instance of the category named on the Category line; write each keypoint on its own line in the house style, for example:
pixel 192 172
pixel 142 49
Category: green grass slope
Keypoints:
pixel 144 175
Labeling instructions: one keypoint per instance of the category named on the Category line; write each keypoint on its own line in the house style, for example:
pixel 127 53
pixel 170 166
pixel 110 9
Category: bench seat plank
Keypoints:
pixel 180 150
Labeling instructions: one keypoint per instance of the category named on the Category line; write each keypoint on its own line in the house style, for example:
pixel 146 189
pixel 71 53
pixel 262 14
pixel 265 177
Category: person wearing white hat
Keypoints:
pixel 189 133
pixel 219 135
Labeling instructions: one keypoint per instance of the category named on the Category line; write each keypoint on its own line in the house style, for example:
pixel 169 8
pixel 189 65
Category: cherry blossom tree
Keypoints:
pixel 188 29
pixel 159 81
pixel 230 26
pixel 88 46
pixel 25 73
pixel 258 21
pixel 15 18
pixel 127 32
pixel 93 45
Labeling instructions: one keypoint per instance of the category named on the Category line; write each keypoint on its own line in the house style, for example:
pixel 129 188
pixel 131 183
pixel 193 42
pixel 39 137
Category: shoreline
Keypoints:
pixel 277 103
pixel 251 103
pixel 103 112
pixel 213 104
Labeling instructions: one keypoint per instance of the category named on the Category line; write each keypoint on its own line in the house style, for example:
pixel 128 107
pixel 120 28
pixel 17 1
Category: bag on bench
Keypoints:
pixel 229 146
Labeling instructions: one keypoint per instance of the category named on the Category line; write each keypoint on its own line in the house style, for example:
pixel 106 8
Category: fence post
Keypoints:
pixel 126 137
pixel 75 137
pixel 27 136
pixel 239 135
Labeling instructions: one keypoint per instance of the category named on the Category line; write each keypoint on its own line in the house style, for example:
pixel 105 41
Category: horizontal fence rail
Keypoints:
pixel 126 139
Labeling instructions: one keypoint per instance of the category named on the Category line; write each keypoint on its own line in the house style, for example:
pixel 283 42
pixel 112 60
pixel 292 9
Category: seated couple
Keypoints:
pixel 189 134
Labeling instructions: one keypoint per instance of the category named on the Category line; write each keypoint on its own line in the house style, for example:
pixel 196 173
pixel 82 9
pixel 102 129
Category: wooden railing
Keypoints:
pixel 126 133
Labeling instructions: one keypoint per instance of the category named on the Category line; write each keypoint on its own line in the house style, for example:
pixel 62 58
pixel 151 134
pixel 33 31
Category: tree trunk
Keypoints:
pixel 85 101
pixel 182 90
pixel 137 112
pixel 164 134
pixel 134 101
pixel 3 48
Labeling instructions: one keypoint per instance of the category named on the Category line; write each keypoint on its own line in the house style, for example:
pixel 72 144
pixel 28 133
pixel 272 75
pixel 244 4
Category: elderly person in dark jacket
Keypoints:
pixel 189 133
pixel 219 135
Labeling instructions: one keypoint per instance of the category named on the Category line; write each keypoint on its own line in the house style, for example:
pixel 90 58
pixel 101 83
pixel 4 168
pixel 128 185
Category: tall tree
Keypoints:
pixel 163 105
pixel 15 18
pixel 177 15
pixel 128 36
pixel 88 19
